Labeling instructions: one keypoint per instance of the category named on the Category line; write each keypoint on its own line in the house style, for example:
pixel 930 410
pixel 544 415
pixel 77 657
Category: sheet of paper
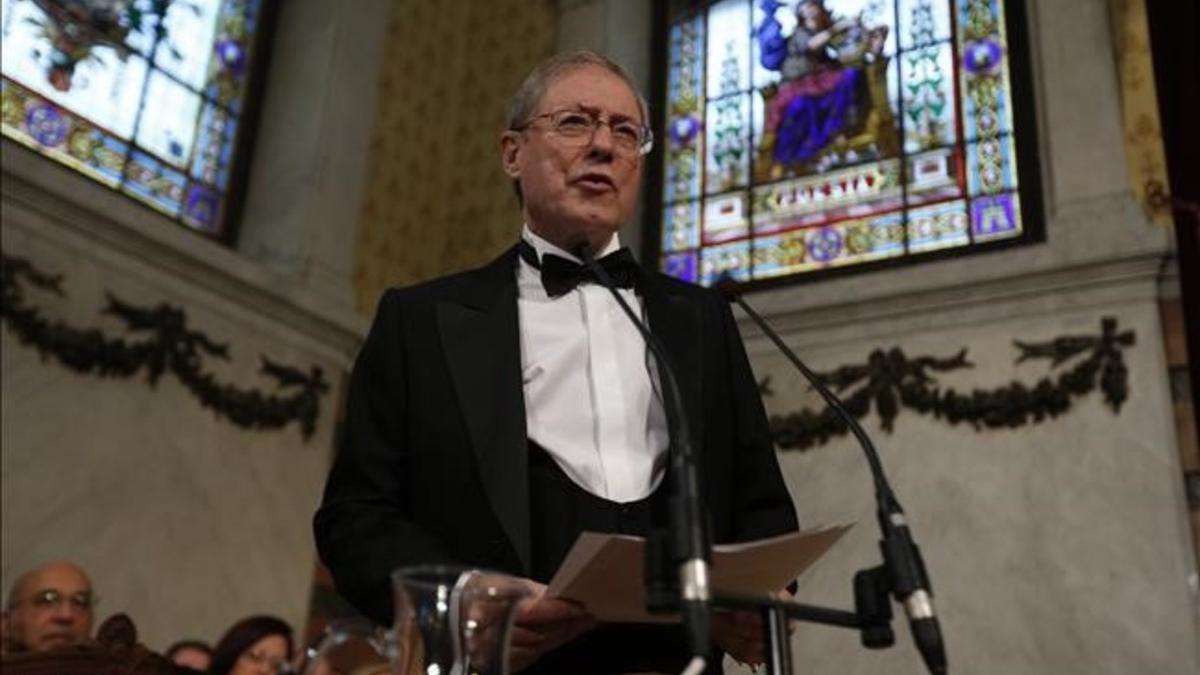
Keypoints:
pixel 605 572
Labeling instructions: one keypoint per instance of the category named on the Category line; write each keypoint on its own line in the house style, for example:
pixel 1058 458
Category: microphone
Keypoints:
pixel 905 568
pixel 691 549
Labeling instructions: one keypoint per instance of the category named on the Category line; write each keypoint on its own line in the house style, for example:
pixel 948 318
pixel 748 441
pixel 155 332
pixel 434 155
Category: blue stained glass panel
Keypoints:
pixel 168 123
pixel 62 135
pixel 727 162
pixel 846 193
pixel 726 217
pixel 991 166
pixel 201 207
pixel 141 35
pixel 154 182
pixel 934 176
pixel 937 227
pixel 983 62
pixel 136 94
pixel 923 22
pixel 928 86
pixel 105 87
pixel 685 112
pixel 684 266
pixel 732 259
pixel 231 50
pixel 774 33
pixel 779 255
pixel 996 216
pixel 186 49
pixel 875 129
pixel 214 147
pixel 985 104
pixel 728 69
pixel 681 226
pixel 843 243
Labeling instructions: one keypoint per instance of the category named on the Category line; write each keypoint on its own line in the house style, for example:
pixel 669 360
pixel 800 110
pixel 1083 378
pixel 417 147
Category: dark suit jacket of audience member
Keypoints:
pixel 433 463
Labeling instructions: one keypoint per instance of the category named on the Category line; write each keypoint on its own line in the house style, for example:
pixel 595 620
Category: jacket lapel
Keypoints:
pixel 481 339
pixel 676 323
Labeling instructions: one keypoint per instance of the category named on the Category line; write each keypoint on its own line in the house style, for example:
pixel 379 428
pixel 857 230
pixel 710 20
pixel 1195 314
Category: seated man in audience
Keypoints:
pixel 48 607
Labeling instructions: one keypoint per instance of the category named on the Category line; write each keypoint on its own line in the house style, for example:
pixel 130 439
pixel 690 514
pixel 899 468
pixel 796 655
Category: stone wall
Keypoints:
pixel 186 521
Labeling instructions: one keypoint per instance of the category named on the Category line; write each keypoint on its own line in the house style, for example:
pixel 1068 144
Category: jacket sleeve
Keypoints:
pixel 762 506
pixel 363 531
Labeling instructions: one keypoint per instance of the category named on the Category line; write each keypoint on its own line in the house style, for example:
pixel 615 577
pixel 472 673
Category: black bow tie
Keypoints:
pixel 560 275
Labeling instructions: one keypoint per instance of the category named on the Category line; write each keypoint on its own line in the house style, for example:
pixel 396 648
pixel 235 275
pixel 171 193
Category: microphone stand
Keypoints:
pixel 902 574
pixel 685 543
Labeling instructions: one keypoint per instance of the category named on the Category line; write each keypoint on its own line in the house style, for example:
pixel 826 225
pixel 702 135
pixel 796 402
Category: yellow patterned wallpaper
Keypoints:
pixel 436 199
pixel 1139 105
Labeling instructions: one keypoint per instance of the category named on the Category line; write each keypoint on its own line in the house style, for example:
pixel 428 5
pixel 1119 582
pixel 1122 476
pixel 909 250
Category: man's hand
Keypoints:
pixel 740 633
pixel 543 624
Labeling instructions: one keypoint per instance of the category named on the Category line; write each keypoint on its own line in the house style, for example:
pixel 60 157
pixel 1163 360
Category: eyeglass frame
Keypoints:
pixel 642 149
pixel 84 601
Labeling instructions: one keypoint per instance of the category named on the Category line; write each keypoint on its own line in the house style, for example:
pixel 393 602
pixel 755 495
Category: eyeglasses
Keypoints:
pixel 578 128
pixel 45 599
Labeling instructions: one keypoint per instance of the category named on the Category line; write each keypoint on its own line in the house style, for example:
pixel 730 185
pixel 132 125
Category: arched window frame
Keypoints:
pixel 1024 135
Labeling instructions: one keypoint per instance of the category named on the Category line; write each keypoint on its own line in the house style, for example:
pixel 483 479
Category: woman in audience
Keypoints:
pixel 258 645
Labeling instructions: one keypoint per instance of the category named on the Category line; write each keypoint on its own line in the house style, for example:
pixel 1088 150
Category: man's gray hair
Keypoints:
pixel 529 94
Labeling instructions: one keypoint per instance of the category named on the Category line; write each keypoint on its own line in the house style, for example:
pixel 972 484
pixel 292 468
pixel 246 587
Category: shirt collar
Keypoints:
pixel 543 247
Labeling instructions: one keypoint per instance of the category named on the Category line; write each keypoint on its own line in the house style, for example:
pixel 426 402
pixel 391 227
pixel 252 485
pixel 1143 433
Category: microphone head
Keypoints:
pixel 928 637
pixel 727 286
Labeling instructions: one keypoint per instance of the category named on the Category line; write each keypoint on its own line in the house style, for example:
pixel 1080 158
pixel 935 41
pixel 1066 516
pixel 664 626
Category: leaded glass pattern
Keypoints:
pixel 147 97
pixel 804 135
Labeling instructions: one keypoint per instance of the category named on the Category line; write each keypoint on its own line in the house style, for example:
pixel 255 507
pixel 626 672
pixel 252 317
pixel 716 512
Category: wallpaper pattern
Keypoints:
pixel 436 199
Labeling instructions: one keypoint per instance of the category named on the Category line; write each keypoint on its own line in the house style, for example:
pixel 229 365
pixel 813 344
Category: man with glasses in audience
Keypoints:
pixel 48 607
pixel 493 415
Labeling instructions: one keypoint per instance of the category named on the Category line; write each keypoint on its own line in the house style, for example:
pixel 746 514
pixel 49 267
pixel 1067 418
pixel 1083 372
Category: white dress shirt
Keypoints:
pixel 591 397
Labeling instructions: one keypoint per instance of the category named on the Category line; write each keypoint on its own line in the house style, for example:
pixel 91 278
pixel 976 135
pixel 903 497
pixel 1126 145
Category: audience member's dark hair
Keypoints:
pixel 241 636
pixel 188 644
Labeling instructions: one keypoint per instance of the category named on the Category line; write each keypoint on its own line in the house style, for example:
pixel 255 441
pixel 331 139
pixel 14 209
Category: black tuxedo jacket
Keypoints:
pixel 433 463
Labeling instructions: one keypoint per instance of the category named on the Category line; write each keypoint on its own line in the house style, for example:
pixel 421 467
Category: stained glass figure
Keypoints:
pixel 145 96
pixel 810 134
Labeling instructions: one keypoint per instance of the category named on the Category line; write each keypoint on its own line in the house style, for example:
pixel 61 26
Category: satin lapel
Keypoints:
pixel 676 323
pixel 482 345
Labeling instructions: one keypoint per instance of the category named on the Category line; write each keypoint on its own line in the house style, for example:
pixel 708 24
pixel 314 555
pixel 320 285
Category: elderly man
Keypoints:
pixel 49 607
pixel 494 415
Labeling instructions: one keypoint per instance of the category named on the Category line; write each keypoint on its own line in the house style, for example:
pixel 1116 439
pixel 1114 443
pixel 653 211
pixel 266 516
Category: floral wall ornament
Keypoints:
pixel 159 342
pixel 891 380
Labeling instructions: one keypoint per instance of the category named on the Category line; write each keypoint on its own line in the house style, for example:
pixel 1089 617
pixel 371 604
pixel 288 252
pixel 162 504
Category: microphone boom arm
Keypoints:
pixel 904 568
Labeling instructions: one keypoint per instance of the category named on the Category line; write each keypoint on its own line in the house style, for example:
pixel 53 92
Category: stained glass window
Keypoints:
pixel 145 96
pixel 805 135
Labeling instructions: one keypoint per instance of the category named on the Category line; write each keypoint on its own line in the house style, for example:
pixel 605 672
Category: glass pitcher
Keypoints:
pixel 451 621
pixel 448 621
